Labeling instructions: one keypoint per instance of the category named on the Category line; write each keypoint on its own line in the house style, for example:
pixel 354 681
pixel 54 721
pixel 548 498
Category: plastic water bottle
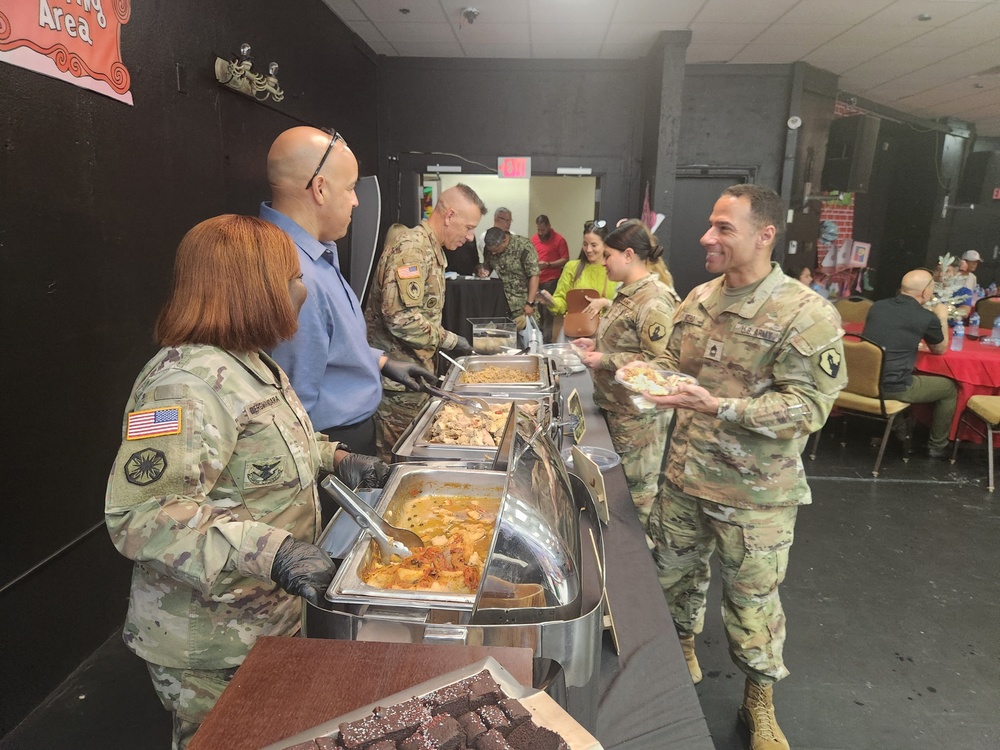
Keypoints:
pixel 996 331
pixel 974 324
pixel 957 337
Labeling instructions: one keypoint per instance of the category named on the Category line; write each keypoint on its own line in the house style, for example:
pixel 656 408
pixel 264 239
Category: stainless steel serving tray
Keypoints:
pixel 539 366
pixel 408 482
pixel 414 444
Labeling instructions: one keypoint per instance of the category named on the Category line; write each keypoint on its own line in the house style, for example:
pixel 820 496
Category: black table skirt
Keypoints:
pixel 472 298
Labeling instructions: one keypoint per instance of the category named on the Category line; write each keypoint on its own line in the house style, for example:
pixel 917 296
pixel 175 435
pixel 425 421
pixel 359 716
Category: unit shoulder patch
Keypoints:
pixel 145 466
pixel 829 361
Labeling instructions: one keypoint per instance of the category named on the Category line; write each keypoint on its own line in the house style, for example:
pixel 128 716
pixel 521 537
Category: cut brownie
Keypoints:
pixel 359 734
pixel 328 743
pixel 442 732
pixel 383 745
pixel 515 711
pixel 472 725
pixel 495 719
pixel 529 736
pixel 483 690
pixel 451 699
pixel 492 740
pixel 310 745
pixel 403 719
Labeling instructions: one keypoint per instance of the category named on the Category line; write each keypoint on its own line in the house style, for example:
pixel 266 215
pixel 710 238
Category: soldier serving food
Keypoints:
pixel 213 492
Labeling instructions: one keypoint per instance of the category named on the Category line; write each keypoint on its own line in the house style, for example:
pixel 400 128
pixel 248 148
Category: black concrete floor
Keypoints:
pixel 893 624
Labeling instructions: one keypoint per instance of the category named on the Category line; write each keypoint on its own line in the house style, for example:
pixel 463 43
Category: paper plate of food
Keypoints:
pixel 640 377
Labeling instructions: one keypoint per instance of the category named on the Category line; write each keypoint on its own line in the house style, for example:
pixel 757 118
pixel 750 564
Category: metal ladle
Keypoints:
pixel 390 539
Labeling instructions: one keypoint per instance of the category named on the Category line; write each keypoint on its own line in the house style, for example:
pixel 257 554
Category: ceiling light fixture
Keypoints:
pixel 924 17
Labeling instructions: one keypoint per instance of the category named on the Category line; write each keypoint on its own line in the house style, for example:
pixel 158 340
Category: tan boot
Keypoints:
pixel 757 712
pixel 687 646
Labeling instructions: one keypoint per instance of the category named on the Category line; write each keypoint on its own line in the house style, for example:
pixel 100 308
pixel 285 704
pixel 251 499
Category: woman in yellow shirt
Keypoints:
pixel 586 272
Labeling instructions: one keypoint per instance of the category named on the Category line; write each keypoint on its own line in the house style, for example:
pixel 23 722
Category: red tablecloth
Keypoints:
pixel 976 369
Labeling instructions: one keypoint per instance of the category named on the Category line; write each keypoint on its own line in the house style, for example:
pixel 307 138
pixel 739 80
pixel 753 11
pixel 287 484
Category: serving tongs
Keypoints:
pixel 472 403
pixel 390 539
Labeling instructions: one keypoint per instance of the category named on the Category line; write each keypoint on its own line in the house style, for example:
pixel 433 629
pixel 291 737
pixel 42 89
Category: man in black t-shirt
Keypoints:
pixel 899 324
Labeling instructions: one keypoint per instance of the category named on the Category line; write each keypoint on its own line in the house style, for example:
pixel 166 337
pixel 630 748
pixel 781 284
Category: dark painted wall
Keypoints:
pixel 979 229
pixel 735 116
pixel 558 112
pixel 95 196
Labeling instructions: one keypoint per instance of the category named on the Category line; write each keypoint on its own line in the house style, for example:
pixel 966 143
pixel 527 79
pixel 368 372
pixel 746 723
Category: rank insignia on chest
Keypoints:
pixel 153 423
pixel 713 350
pixel 408 272
pixel 829 362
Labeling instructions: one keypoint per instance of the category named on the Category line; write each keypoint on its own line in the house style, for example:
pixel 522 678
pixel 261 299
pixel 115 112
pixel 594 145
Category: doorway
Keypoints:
pixel 698 188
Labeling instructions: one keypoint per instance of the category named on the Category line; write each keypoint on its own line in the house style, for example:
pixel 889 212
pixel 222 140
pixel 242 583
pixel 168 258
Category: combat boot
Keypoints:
pixel 757 712
pixel 687 646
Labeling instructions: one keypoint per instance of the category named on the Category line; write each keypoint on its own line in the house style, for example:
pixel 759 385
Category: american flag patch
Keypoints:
pixel 153 423
pixel 408 272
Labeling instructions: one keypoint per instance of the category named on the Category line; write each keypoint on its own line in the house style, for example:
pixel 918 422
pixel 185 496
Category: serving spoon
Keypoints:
pixel 390 539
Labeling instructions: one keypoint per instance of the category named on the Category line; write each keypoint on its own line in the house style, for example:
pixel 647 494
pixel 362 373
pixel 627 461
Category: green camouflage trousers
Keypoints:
pixel 395 412
pixel 640 440
pixel 189 695
pixel 753 557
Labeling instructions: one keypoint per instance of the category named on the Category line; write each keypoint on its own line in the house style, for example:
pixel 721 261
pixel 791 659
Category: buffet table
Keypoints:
pixel 646 698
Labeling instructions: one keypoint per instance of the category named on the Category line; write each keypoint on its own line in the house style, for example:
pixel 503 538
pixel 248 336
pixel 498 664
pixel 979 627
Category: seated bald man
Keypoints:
pixel 899 324
pixel 334 371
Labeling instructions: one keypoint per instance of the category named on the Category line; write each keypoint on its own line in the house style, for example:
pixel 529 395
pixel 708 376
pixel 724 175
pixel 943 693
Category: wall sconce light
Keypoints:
pixel 574 170
pixel 238 75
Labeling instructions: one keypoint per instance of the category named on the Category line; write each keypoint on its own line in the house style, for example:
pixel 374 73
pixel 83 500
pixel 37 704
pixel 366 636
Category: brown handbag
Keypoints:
pixel 577 323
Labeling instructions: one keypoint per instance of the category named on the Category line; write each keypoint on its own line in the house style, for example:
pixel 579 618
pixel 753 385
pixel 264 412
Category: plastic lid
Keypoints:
pixel 605 458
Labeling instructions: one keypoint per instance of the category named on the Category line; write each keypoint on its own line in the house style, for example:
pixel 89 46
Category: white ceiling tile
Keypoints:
pixel 346 10
pixel 960 36
pixel 490 11
pixel 367 31
pixel 914 55
pixel 832 63
pixel 711 53
pixel 724 11
pixel 632 33
pixel 420 11
pixel 906 12
pixel 559 51
pixel 568 33
pixel 987 15
pixel 561 11
pixel 812 33
pixel 656 11
pixel 418 32
pixel 732 33
pixel 773 53
pixel 825 11
pixel 623 51
pixel 492 33
pixel 383 48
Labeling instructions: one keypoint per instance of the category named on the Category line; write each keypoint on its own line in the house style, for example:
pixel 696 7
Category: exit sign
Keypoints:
pixel 517 167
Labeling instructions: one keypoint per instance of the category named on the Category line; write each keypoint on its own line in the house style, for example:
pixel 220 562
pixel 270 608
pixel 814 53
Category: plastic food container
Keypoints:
pixel 493 335
pixel 603 457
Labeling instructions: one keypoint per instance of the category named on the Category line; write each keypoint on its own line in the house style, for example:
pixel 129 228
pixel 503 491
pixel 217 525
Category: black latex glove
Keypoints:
pixel 359 471
pixel 462 349
pixel 302 569
pixel 407 373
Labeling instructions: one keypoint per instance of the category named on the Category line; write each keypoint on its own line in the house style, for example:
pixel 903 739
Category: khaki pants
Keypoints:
pixel 752 548
pixel 932 389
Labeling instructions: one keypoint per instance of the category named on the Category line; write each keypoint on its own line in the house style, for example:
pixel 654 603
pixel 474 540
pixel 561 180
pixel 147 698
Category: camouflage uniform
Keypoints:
pixel 404 320
pixel 216 469
pixel 733 481
pixel 515 266
pixel 635 328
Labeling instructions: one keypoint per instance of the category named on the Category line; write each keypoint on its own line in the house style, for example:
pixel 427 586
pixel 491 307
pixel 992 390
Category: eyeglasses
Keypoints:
pixel 335 135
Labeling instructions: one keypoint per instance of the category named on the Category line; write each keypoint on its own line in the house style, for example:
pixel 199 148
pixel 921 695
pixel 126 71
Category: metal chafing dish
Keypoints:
pixel 540 367
pixel 415 445
pixel 542 584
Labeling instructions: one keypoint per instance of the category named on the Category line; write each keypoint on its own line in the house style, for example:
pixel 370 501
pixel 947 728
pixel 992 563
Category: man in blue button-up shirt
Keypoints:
pixel 335 373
